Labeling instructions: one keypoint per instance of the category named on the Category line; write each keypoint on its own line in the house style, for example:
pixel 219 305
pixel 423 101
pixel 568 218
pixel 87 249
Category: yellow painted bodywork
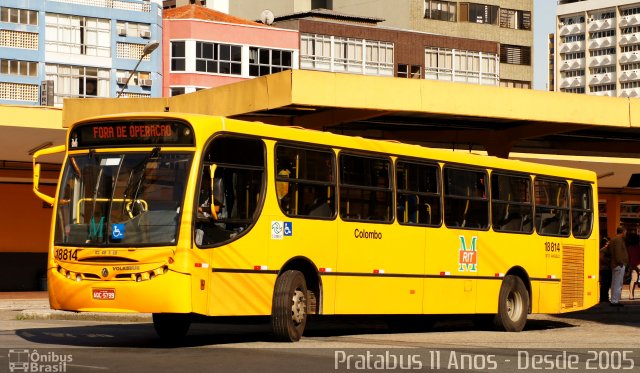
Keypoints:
pixel 407 270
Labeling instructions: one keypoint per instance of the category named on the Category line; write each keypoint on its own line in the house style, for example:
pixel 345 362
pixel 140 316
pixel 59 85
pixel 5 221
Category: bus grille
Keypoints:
pixel 572 277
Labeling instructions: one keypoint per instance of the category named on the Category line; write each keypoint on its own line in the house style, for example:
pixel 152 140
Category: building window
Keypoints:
pixel 378 58
pixel 78 35
pixel 315 52
pixel 178 56
pixel 440 10
pixel 479 13
pixel 461 66
pixel 138 30
pixel 603 52
pixel 21 68
pixel 516 54
pixel 21 16
pixel 602 34
pixel 347 54
pixel 630 11
pixel 603 88
pixel 78 81
pixel 515 19
pixel 369 57
pixel 176 91
pixel 409 71
pixel 218 58
pixel 268 61
pixel 515 84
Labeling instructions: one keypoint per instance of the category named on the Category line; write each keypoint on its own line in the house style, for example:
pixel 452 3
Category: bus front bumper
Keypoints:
pixel 170 292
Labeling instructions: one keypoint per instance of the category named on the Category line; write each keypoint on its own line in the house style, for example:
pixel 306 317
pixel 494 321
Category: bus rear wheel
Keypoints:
pixel 171 325
pixel 289 309
pixel 513 305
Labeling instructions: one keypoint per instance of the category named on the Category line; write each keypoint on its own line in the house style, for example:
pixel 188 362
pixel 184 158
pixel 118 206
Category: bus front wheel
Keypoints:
pixel 513 305
pixel 289 308
pixel 171 325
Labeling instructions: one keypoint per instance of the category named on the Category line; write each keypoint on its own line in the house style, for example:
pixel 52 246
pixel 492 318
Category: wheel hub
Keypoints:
pixel 299 307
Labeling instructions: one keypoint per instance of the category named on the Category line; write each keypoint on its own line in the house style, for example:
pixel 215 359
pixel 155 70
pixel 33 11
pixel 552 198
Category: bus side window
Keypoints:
pixel 466 202
pixel 511 203
pixel 305 185
pixel 552 208
pixel 418 193
pixel 365 188
pixel 581 210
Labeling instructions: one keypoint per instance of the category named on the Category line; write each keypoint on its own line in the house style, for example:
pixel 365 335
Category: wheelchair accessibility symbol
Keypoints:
pixel 117 231
pixel 288 228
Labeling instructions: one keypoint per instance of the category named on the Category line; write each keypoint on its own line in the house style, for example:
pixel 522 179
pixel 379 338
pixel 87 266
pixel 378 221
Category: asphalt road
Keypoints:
pixel 603 338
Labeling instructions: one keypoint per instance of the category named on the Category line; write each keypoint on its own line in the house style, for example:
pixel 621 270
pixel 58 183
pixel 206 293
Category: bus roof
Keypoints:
pixel 212 124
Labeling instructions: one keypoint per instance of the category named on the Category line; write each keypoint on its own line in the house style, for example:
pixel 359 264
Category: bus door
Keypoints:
pixel 227 228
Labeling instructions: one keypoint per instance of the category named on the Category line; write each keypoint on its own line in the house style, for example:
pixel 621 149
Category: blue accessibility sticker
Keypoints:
pixel 288 228
pixel 117 231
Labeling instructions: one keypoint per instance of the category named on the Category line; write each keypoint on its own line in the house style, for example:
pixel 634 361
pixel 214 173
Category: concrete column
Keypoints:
pixel 613 214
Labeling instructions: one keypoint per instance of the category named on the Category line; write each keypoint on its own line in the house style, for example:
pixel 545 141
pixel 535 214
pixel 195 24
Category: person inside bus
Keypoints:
pixel 209 229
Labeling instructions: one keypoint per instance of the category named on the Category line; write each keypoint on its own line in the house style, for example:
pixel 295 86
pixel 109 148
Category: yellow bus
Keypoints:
pixel 180 215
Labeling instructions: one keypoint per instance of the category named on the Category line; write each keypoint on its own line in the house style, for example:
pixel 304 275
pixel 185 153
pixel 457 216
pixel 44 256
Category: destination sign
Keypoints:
pixel 131 133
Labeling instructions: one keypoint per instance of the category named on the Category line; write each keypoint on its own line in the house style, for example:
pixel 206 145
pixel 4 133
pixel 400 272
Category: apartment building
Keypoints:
pixel 205 48
pixel 337 42
pixel 505 22
pixel 598 47
pixel 56 49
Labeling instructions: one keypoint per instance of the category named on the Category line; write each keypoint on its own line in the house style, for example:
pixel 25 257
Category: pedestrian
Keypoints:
pixel 619 260
pixel 633 248
pixel 605 269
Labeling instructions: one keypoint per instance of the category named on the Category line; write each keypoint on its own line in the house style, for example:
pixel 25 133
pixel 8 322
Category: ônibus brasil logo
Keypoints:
pixel 468 256
pixel 23 360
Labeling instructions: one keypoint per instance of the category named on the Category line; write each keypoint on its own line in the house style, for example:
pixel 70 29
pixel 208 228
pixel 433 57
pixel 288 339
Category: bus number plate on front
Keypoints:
pixel 104 294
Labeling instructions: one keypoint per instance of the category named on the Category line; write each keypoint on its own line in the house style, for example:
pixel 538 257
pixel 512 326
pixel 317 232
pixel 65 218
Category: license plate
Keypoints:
pixel 104 294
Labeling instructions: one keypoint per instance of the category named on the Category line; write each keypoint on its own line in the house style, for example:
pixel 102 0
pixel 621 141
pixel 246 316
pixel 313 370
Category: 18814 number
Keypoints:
pixel 66 254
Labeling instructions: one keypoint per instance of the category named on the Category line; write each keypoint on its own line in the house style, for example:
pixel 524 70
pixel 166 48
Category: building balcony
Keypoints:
pixel 576 28
pixel 630 92
pixel 600 43
pixel 630 39
pixel 601 24
pixel 630 75
pixel 573 82
pixel 604 93
pixel 606 60
pixel 572 65
pixel 631 20
pixel 629 57
pixel 575 46
pixel 602 78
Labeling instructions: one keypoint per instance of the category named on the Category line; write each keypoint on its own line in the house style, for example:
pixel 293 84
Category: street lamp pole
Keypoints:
pixel 148 49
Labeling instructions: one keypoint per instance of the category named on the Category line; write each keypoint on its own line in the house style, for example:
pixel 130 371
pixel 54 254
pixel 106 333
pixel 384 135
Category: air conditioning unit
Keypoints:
pixel 145 82
pixel 145 34
pixel 122 81
pixel 122 31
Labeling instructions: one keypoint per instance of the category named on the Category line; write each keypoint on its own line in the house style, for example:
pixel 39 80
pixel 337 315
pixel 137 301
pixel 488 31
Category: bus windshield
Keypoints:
pixel 121 199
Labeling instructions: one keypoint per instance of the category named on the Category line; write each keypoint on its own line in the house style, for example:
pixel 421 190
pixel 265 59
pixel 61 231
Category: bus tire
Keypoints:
pixel 171 325
pixel 289 308
pixel 513 305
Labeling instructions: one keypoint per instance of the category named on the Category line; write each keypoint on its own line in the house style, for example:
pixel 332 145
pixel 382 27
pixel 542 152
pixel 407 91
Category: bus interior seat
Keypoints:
pixel 323 210
pixel 513 223
pixel 550 225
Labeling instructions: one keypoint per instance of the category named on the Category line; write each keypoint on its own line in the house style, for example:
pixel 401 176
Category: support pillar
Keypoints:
pixel 613 214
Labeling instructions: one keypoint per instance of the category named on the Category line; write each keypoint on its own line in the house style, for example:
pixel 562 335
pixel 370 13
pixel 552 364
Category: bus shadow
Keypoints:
pixel 142 335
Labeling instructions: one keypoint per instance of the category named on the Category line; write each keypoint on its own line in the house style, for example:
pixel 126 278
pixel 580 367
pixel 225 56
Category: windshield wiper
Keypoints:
pixel 137 177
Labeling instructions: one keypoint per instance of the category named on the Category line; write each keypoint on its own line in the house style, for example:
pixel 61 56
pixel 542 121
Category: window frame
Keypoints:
pixel 373 189
pixel 448 196
pixel 590 210
pixel 439 194
pixel 538 222
pixel 495 201
pixel 332 183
